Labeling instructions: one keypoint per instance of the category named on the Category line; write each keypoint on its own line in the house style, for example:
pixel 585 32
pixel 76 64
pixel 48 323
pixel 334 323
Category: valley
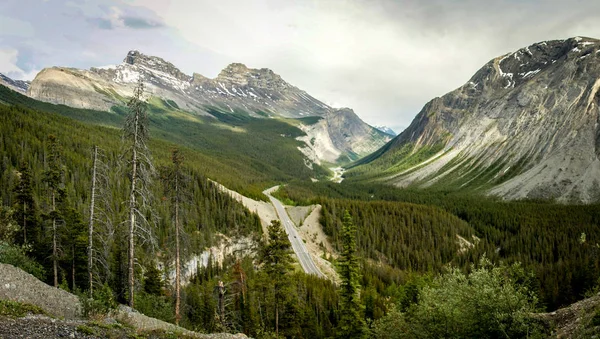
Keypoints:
pixel 262 210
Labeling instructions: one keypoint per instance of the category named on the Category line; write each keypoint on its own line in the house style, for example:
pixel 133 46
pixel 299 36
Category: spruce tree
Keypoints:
pixel 25 210
pixel 53 176
pixel 275 256
pixel 176 182
pixel 352 324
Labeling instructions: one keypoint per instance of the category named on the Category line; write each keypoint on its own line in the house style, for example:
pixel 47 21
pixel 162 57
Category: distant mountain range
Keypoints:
pixel 333 135
pixel 387 130
pixel 526 125
pixel 16 85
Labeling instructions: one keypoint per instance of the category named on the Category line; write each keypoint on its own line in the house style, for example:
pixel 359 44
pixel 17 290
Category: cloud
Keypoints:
pixel 383 58
pixel 116 18
pixel 8 66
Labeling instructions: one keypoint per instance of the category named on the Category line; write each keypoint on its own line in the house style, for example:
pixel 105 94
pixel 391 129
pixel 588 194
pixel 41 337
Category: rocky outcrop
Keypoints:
pixel 524 126
pixel 16 285
pixel 236 90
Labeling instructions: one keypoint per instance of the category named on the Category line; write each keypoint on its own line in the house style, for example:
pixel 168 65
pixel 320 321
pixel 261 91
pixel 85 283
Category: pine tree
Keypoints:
pixel 176 182
pixel 53 176
pixel 25 210
pixel 275 255
pixel 352 324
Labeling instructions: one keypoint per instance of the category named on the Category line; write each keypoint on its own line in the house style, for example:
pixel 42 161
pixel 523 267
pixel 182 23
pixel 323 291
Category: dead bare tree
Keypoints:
pixel 91 226
pixel 141 170
pixel 101 230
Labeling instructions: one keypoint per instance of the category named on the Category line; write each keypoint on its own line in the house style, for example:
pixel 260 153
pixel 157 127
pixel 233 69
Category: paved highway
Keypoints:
pixel 306 261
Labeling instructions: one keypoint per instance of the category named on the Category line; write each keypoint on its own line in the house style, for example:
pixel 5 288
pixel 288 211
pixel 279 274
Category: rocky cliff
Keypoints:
pixel 236 90
pixel 524 126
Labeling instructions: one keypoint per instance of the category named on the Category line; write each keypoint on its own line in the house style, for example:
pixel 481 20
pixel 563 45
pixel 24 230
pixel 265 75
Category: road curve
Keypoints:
pixel 306 261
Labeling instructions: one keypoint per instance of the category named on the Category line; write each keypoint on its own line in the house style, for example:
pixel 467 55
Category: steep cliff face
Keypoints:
pixel 236 90
pixel 524 126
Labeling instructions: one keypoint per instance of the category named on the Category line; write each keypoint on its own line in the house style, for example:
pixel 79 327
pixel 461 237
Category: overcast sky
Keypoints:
pixel 383 58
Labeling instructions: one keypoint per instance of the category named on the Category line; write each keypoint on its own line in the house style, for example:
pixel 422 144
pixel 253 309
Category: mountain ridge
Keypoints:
pixel 523 126
pixel 237 90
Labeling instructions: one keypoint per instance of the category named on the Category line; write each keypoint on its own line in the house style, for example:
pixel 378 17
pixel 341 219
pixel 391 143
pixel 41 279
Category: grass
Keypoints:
pixel 18 310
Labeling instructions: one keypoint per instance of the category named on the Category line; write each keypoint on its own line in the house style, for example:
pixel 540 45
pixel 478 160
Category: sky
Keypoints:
pixel 383 58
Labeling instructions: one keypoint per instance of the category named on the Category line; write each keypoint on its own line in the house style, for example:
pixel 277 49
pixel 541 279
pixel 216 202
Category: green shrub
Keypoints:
pixel 596 319
pixel 103 302
pixel 16 309
pixel 16 256
pixel 490 302
pixel 159 307
pixel 86 330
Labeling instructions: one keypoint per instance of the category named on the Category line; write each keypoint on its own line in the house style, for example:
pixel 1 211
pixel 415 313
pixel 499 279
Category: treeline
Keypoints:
pixel 260 296
pixel 543 236
pixel 24 150
pixel 245 154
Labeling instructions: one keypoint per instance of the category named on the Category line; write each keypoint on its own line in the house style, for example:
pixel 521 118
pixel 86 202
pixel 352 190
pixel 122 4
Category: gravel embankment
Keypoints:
pixel 16 285
pixel 66 322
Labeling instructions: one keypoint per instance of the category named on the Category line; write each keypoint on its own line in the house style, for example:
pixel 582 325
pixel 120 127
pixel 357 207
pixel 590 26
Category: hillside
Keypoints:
pixel 237 92
pixel 237 151
pixel 524 126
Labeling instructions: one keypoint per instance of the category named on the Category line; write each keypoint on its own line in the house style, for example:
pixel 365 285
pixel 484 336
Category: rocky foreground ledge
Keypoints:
pixel 63 315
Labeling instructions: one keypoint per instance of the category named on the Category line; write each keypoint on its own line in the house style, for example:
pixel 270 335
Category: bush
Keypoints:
pixel 103 302
pixel 16 256
pixel 490 302
pixel 16 309
pixel 155 306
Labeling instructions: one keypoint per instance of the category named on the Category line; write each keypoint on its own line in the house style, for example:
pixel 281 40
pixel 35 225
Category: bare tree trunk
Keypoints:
pixel 177 256
pixel 132 207
pixel 54 245
pixel 91 228
pixel 24 223
pixel 222 302
pixel 73 269
pixel 276 320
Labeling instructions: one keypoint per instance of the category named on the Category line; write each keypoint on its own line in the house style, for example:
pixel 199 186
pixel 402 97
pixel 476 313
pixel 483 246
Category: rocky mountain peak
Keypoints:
pixel 524 126
pixel 240 75
pixel 522 65
pixel 154 63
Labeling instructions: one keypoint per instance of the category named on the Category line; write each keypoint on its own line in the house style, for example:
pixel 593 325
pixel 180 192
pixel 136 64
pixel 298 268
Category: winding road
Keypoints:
pixel 306 261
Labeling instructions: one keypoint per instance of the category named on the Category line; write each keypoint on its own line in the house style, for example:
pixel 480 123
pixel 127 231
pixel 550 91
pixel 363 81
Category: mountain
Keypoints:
pixel 387 130
pixel 15 85
pixel 237 90
pixel 524 126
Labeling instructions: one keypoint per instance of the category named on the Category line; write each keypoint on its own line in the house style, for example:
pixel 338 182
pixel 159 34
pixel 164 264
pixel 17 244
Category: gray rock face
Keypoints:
pixel 16 285
pixel 524 126
pixel 237 89
pixel 16 85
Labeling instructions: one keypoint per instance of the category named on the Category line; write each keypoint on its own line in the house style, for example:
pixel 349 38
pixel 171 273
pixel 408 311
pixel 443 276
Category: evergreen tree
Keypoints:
pixel 25 209
pixel 275 256
pixel 176 182
pixel 152 281
pixel 352 324
pixel 53 176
